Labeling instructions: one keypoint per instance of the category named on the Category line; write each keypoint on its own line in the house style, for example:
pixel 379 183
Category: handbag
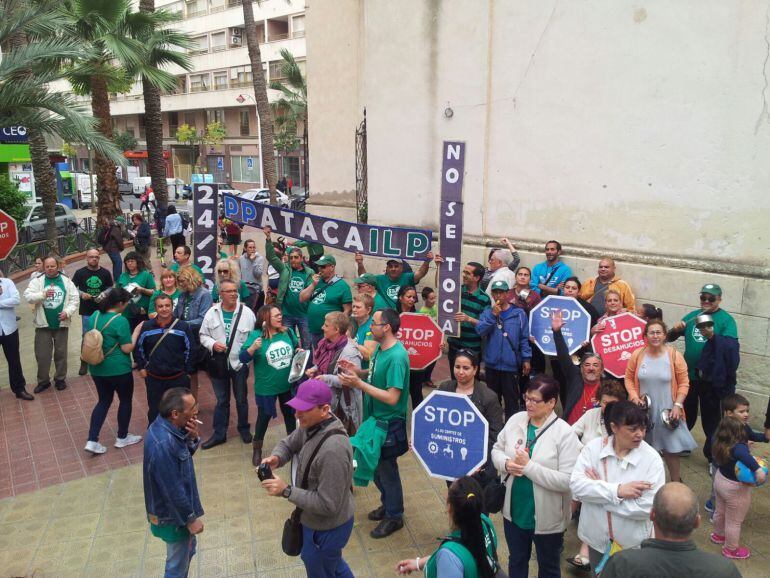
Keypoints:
pixel 291 539
pixel 494 491
pixel 218 364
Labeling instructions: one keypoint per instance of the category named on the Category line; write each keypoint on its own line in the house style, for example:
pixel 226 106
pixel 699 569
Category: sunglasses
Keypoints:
pixel 709 298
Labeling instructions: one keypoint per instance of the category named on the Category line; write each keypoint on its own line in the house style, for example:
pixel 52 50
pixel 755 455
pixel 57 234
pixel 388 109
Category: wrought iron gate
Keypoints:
pixel 362 199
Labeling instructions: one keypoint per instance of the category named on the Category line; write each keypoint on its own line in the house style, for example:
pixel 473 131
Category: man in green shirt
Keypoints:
pixel 389 284
pixel 183 258
pixel 386 394
pixel 326 293
pixel 724 324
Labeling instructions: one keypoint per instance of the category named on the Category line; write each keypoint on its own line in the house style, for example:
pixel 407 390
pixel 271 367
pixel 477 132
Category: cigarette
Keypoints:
pixel 199 422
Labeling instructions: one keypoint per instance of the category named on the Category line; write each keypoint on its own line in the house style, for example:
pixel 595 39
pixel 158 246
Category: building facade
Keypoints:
pixel 637 131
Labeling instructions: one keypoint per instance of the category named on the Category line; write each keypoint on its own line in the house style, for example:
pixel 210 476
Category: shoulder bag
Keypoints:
pixel 220 360
pixel 291 540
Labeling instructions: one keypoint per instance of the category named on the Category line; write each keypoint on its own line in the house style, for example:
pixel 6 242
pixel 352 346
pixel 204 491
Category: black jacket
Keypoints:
pixel 718 363
pixel 175 354
pixel 573 379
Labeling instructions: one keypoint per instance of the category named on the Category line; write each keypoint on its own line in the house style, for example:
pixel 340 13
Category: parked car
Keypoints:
pixel 263 196
pixel 124 187
pixel 33 226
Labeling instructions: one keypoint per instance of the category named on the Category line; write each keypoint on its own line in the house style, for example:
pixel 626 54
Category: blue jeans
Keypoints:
pixel 178 556
pixel 222 409
pixel 117 265
pixel 388 481
pixel 86 322
pixel 299 324
pixel 106 388
pixel 548 549
pixel 322 551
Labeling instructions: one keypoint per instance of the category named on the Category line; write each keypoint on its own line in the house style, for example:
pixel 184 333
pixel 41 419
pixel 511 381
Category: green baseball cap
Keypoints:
pixel 367 278
pixel 499 286
pixel 712 289
pixel 326 260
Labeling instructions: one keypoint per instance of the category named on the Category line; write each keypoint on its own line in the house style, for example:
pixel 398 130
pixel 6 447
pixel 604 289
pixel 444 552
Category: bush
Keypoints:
pixel 12 200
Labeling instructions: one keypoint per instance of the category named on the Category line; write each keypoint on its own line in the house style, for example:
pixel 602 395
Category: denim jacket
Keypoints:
pixel 200 303
pixel 505 349
pixel 170 490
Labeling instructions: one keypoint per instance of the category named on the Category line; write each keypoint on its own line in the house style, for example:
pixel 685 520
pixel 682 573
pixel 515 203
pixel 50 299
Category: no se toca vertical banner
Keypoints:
pixel 205 229
pixel 451 236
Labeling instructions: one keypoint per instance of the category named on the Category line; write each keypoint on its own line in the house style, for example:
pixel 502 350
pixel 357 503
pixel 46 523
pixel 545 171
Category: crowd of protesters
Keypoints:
pixel 562 442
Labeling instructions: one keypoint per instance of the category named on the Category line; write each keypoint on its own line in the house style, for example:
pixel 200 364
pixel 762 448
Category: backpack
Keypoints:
pixel 92 352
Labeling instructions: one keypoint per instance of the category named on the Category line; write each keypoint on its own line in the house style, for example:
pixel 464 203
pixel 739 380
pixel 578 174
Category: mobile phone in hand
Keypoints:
pixel 264 472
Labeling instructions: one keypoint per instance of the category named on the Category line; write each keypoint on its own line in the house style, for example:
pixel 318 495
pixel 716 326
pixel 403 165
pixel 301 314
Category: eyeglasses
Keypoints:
pixel 709 298
pixel 223 270
pixel 532 400
pixel 654 333
pixel 229 291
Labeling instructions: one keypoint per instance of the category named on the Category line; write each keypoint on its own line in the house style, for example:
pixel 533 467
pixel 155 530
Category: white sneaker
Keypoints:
pixel 95 448
pixel 129 440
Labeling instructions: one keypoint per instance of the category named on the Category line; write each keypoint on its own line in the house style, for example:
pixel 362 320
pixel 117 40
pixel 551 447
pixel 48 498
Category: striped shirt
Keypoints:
pixel 472 305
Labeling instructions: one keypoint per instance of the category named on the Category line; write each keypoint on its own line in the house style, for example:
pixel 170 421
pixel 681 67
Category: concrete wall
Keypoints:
pixel 635 130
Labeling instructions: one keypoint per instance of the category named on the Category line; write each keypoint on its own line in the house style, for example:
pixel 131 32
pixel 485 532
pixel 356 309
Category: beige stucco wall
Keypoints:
pixel 639 130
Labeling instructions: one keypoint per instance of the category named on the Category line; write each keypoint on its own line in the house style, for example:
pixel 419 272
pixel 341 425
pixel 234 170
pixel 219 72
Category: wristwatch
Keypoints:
pixel 286 492
pixel 679 405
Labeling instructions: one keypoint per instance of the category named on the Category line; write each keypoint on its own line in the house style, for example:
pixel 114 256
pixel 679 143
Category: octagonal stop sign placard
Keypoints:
pixel 623 334
pixel 9 234
pixel 450 437
pixel 576 328
pixel 422 339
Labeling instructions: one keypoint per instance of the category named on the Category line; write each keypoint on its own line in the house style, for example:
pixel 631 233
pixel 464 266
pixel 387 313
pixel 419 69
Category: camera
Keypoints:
pixel 264 472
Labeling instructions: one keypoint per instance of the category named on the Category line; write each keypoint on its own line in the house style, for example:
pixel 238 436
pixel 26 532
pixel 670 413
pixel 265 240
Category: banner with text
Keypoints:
pixel 451 236
pixel 373 240
pixel 205 229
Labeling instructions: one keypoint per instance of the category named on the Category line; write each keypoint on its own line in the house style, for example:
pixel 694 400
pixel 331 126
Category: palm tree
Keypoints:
pixel 260 97
pixel 111 31
pixel 157 43
pixel 291 108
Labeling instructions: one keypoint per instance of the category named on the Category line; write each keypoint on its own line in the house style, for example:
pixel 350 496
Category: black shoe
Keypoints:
pixel 83 368
pixel 377 515
pixel 60 385
pixel 386 528
pixel 246 437
pixel 212 442
pixel 41 387
pixel 24 394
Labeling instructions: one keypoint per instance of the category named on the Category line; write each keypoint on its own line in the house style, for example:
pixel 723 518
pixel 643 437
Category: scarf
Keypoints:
pixel 325 352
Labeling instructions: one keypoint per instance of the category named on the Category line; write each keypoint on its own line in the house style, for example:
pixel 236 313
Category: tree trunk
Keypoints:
pixel 106 181
pixel 306 146
pixel 45 184
pixel 260 96
pixel 154 130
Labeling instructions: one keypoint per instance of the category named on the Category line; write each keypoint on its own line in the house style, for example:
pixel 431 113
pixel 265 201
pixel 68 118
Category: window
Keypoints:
pixel 173 123
pixel 130 130
pixel 59 211
pixel 245 169
pixel 240 76
pixel 200 44
pixel 189 119
pixel 220 80
pixel 175 8
pixel 245 129
pixel 298 26
pixel 215 115
pixel 217 5
pixel 37 214
pixel 199 82
pixel 218 41
pixel 142 126
pixel 196 7
pixel 275 70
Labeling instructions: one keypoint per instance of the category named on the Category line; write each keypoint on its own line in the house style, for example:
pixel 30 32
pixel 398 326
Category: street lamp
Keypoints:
pixel 241 98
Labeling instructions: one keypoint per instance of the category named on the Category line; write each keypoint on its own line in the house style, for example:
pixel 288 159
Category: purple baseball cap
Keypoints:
pixel 310 394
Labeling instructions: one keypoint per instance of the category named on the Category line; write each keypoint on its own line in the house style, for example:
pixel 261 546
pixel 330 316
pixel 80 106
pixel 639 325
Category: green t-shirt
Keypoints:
pixel 328 298
pixel 724 324
pixel 143 279
pixel 364 334
pixel 117 333
pixel 170 534
pixel 53 305
pixel 387 369
pixel 243 292
pixel 291 304
pixel 175 268
pixel 174 299
pixel 380 303
pixel 431 311
pixel 523 493
pixel 227 317
pixel 388 289
pixel 272 361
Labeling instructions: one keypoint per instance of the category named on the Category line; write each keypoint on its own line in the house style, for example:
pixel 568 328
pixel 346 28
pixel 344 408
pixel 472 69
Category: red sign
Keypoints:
pixel 9 234
pixel 421 338
pixel 623 334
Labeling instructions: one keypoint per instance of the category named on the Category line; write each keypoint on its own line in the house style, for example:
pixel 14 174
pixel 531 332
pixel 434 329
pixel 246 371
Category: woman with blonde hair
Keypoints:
pixel 168 286
pixel 613 305
pixel 229 270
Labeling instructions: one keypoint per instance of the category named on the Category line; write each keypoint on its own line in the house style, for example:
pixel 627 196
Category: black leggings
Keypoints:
pixel 263 419
pixel 416 379
pixel 106 387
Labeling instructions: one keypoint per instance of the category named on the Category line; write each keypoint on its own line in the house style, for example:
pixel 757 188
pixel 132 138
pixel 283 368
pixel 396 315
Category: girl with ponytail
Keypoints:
pixel 470 550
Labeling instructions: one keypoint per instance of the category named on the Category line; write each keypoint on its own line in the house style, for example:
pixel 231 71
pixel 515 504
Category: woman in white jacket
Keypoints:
pixel 616 479
pixel 56 300
pixel 537 450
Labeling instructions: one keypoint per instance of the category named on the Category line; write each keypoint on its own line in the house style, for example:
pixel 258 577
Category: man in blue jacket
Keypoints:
pixel 506 351
pixel 170 490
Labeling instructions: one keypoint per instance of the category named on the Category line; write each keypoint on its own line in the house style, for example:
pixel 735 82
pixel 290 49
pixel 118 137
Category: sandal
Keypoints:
pixel 580 562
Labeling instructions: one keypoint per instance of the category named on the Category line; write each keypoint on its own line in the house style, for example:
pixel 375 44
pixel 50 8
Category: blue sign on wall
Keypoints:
pixel 13 134
pixel 249 163
pixel 576 328
pixel 449 435
pixel 220 164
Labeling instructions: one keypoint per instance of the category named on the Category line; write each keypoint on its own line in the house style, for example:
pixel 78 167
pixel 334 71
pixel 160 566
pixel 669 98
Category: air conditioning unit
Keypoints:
pixel 236 32
pixel 236 41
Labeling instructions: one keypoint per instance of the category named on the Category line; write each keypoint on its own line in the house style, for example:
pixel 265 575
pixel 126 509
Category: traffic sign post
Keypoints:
pixel 576 329
pixel 623 334
pixel 422 339
pixel 9 234
pixel 450 437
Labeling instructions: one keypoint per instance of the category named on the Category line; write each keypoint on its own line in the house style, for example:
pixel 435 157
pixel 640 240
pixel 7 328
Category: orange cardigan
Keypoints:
pixel 680 382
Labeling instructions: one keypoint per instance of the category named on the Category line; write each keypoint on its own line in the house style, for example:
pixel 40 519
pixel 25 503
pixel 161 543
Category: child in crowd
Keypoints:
pixel 429 306
pixel 730 446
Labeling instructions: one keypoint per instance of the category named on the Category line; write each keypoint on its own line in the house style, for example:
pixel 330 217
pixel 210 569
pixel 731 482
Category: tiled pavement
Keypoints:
pixel 66 513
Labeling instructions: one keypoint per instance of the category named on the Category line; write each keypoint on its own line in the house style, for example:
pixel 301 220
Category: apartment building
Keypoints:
pixel 218 88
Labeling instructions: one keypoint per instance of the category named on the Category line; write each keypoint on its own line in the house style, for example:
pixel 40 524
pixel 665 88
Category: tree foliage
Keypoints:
pixel 12 200
pixel 125 141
